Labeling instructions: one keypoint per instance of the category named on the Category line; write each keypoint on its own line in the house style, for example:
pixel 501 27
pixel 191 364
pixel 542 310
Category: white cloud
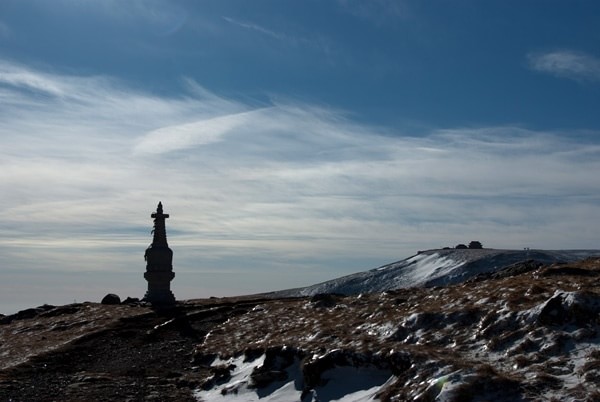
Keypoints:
pixel 182 136
pixel 84 160
pixel 28 80
pixel 567 64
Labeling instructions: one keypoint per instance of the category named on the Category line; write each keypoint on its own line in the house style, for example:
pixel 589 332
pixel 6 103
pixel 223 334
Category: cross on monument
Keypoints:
pixel 159 263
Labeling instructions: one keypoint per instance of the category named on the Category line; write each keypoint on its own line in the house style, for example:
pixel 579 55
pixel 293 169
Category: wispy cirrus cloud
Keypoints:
pixel 567 64
pixel 25 79
pixel 255 27
pixel 265 190
pixel 182 136
pixel 309 40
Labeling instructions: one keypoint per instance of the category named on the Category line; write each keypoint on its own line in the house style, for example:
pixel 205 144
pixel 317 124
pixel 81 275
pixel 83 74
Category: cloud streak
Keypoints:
pixel 255 27
pixel 182 136
pixel 265 190
pixel 567 64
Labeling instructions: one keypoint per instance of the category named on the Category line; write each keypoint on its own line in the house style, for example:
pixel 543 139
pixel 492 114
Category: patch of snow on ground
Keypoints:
pixel 236 389
pixel 341 384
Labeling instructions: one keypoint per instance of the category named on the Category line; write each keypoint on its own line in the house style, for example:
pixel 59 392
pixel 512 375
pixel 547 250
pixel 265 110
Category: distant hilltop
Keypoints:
pixel 474 244
pixel 434 268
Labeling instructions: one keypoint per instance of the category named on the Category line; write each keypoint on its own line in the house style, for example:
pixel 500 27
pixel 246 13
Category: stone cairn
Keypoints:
pixel 159 263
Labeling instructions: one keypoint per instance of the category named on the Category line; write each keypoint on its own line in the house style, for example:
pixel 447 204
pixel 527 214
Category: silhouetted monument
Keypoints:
pixel 159 263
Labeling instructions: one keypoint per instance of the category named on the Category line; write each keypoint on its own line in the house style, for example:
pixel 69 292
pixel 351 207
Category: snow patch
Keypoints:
pixel 339 383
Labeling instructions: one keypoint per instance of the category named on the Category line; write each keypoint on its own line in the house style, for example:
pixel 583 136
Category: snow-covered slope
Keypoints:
pixel 435 268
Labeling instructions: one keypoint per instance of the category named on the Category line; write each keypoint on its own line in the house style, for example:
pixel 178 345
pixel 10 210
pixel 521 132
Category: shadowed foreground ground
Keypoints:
pixel 528 332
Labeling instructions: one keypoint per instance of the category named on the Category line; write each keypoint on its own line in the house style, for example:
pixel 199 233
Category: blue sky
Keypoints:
pixel 291 141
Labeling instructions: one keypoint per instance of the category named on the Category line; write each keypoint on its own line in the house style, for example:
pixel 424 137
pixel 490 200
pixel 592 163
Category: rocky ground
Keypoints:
pixel 528 332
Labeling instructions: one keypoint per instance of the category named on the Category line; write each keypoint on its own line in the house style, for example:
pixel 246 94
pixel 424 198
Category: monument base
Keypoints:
pixel 159 291
pixel 160 297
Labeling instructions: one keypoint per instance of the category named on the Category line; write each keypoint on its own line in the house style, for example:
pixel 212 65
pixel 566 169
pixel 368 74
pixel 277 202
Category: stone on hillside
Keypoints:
pixel 324 300
pixel 581 308
pixel 131 300
pixel 111 298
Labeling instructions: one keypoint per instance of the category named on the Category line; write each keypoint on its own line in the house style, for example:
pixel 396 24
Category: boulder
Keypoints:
pixel 579 307
pixel 325 300
pixel 111 298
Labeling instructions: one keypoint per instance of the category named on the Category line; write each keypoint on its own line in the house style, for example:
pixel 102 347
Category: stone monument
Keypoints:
pixel 159 263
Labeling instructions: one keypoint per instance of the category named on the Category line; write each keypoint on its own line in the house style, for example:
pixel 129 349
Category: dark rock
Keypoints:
pixel 475 245
pixel 251 354
pixel 559 271
pixel 325 300
pixel 552 312
pixel 111 298
pixel 131 300
pixel 262 378
pixel 399 362
pixel 581 308
pixel 221 373
pixel 277 360
pixel 61 310
pixel 487 385
pixel 202 359
pixel 25 314
pixel 399 334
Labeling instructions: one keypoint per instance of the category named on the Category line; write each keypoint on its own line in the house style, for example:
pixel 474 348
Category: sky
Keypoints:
pixel 291 142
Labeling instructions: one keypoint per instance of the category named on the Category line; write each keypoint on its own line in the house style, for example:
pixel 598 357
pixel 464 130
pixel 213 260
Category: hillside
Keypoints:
pixel 529 331
pixel 433 268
